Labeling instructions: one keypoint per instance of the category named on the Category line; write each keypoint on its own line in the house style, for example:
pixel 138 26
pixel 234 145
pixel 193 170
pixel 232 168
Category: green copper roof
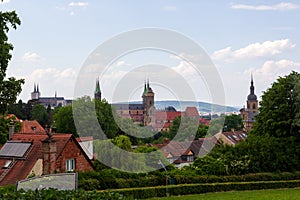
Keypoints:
pixel 97 90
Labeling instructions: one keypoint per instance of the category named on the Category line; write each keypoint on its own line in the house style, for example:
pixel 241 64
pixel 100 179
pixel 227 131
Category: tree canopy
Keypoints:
pixel 9 87
pixel 279 110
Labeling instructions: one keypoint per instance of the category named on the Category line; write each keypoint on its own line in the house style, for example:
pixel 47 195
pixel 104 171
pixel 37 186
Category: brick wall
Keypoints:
pixel 73 151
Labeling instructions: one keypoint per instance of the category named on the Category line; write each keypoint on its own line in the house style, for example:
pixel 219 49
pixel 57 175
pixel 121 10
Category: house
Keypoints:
pixel 164 119
pixel 34 153
pixel 185 152
pixel 232 137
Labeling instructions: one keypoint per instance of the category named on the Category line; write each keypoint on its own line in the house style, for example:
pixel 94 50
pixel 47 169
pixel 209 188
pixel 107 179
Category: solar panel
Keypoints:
pixel 14 149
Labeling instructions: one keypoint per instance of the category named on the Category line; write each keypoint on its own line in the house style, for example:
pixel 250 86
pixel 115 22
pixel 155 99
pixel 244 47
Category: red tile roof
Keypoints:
pixel 235 136
pixel 23 166
pixel 192 112
pixel 32 127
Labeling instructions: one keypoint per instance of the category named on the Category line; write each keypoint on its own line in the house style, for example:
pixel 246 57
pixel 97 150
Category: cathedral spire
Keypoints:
pixel 145 88
pixel 97 90
pixel 34 88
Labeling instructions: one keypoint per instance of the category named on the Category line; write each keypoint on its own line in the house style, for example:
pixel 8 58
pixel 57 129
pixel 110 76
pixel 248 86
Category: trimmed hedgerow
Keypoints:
pixel 98 181
pixel 174 190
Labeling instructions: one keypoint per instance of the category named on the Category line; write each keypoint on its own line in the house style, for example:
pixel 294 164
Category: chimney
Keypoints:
pixel 11 130
pixel 49 155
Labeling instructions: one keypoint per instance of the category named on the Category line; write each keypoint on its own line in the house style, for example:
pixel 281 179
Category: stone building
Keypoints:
pixel 251 110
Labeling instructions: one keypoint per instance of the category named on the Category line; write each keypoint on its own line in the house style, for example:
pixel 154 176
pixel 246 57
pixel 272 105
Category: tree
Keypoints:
pixel 279 109
pixel 4 127
pixel 63 120
pixel 183 128
pixel 10 87
pixel 40 114
pixel 233 122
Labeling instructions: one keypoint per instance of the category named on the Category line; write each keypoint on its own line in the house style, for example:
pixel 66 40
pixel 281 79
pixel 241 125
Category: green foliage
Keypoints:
pixel 183 128
pixel 10 87
pixel 279 109
pixel 233 122
pixel 202 131
pixel 123 142
pixel 209 166
pixel 4 127
pixel 186 189
pixel 63 120
pixel 40 114
pixel 60 195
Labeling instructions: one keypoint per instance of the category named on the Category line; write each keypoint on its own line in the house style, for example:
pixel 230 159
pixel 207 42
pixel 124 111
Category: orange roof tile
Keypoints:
pixel 32 127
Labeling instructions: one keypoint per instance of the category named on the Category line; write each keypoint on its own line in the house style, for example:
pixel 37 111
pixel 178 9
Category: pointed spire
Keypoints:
pixel 252 96
pixel 145 87
pixel 97 89
pixel 97 93
pixel 37 88
pixel 148 86
pixel 55 94
pixel 252 85
pixel 34 88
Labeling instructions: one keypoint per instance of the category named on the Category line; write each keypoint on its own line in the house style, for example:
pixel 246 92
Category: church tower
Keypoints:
pixel 251 110
pixel 148 103
pixel 36 93
pixel 97 93
pixel 252 103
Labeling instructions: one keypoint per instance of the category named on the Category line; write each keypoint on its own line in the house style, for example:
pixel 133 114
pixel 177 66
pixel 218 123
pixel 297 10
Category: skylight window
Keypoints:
pixel 7 164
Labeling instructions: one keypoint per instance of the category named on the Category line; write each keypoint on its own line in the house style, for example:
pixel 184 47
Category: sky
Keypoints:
pixel 57 38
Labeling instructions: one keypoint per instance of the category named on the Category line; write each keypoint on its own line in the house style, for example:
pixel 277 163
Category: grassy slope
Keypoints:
pixel 276 194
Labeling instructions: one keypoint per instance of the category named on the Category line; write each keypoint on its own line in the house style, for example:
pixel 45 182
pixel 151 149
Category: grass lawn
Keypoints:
pixel 276 194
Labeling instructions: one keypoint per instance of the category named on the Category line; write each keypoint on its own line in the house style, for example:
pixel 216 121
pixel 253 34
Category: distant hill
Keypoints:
pixel 203 107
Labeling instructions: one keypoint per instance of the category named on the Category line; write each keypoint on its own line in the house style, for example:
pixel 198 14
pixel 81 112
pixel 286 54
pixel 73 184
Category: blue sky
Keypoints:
pixel 241 37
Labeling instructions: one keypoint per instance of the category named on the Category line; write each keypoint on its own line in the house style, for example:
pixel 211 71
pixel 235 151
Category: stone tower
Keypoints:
pixel 251 110
pixel 148 103
pixel 36 93
pixel 97 93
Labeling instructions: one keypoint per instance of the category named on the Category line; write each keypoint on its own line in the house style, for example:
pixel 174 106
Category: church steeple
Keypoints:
pixel 36 93
pixel 148 103
pixel 97 90
pixel 252 96
pixel 34 88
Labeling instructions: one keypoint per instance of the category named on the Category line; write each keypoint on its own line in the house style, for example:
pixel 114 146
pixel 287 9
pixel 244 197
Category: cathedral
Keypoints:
pixel 143 113
pixel 251 110
pixel 53 102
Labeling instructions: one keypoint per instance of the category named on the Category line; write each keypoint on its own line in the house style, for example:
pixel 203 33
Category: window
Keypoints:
pixel 70 165
pixel 7 164
pixel 190 158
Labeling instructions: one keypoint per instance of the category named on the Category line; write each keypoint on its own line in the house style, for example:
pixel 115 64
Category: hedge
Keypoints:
pixel 185 189
pixel 94 181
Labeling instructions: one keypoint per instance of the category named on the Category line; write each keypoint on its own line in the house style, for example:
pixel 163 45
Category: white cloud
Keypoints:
pixel 267 48
pixel 4 1
pixel 72 13
pixel 50 80
pixel 280 6
pixel 78 4
pixel 271 70
pixel 170 8
pixel 60 8
pixel 31 57
pixel 120 63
